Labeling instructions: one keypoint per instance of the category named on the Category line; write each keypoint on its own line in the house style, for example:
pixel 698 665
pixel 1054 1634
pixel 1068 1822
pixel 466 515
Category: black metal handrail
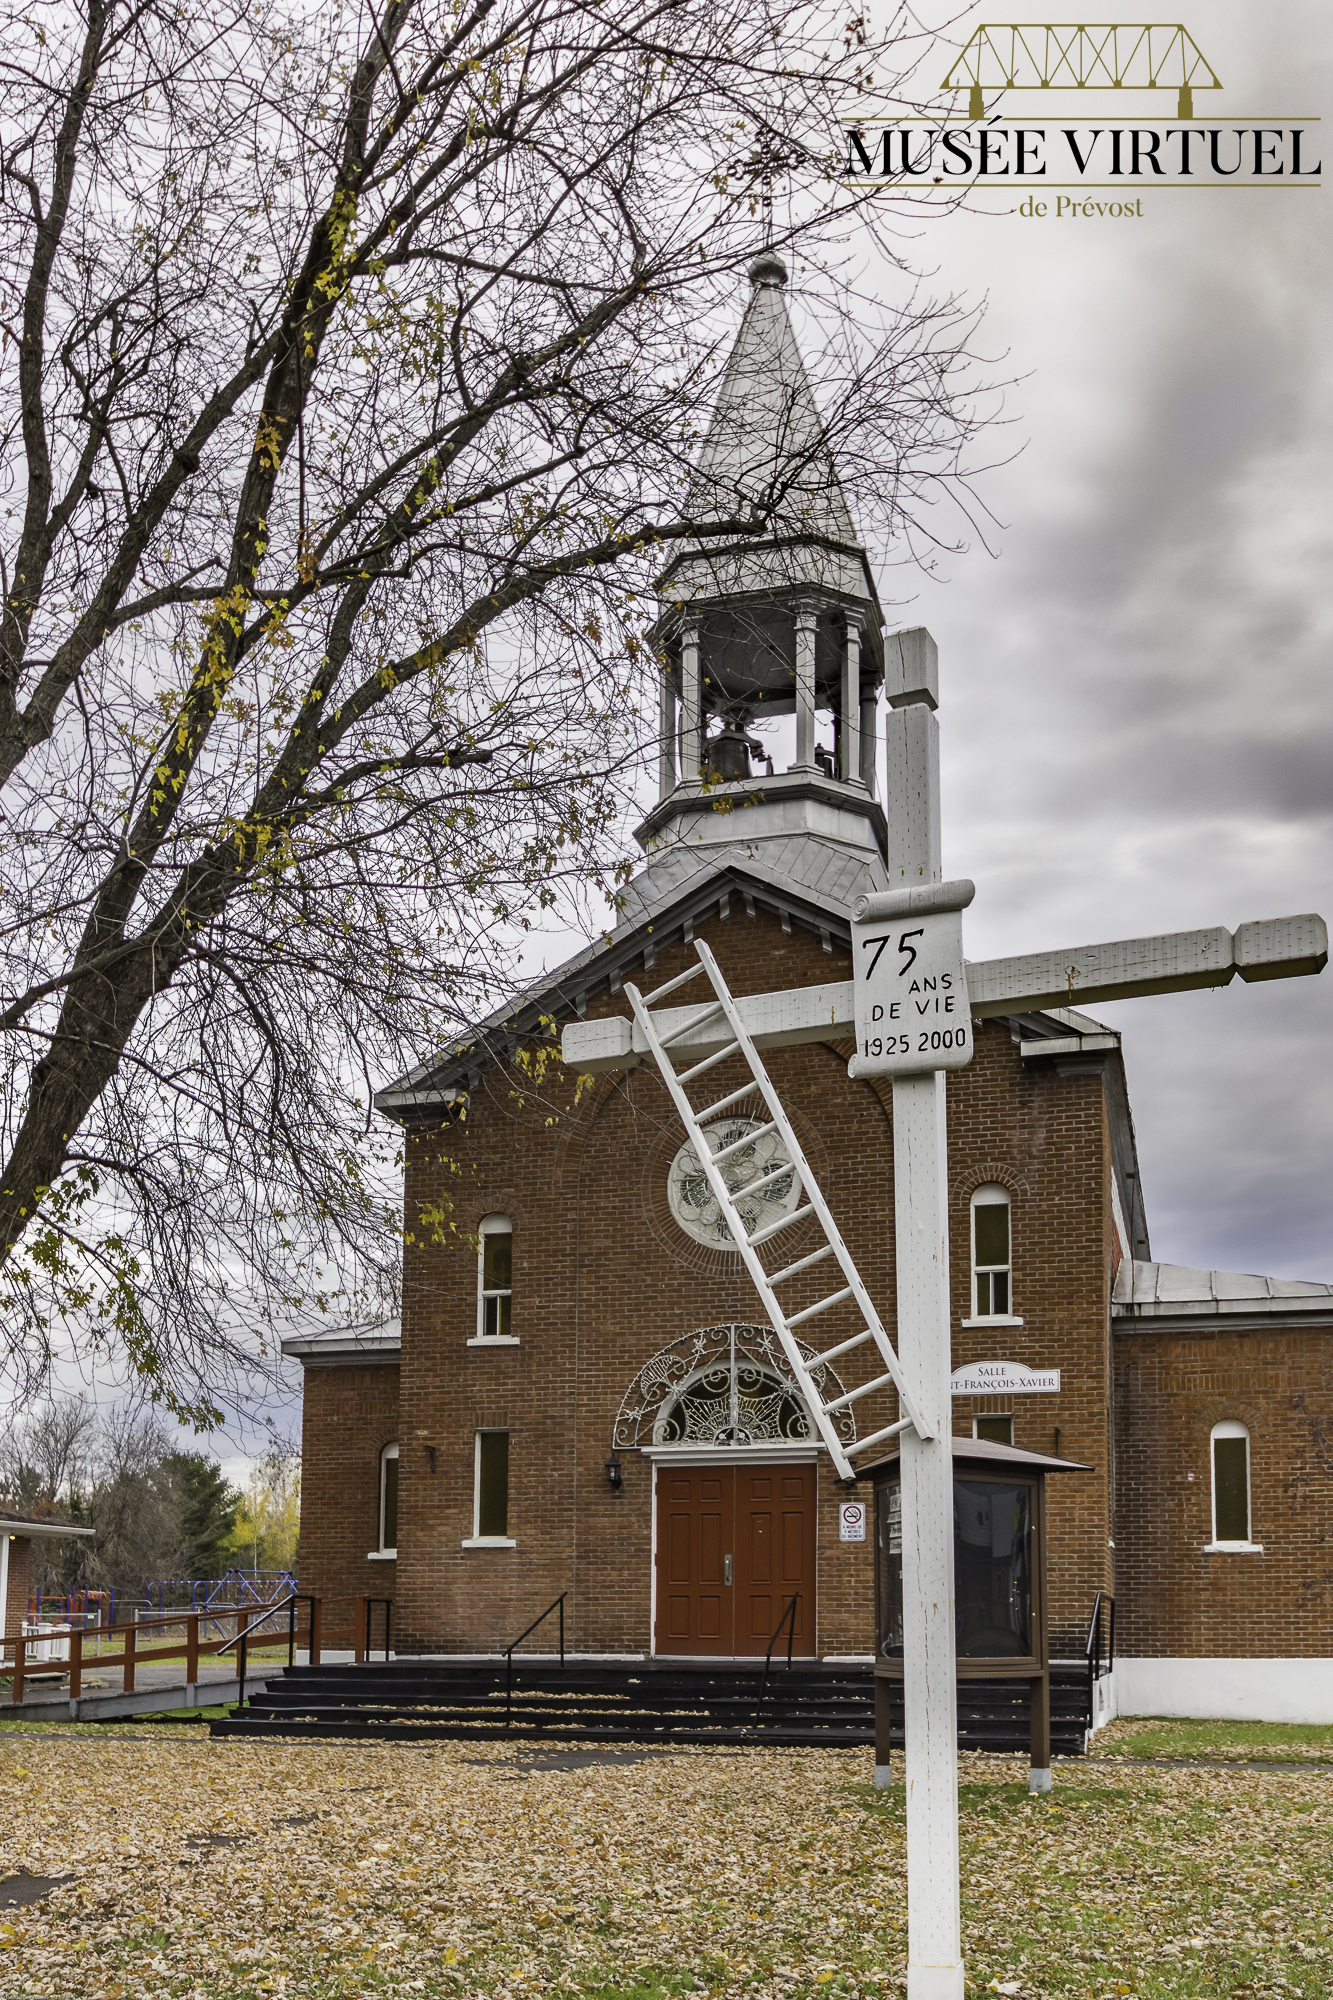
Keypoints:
pixel 788 1614
pixel 241 1639
pixel 1092 1652
pixel 559 1605
pixel 368 1604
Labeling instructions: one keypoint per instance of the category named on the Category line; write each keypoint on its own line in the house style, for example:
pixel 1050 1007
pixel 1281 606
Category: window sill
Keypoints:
pixel 993 1319
pixel 489 1542
pixel 1233 1548
pixel 381 1555
pixel 494 1340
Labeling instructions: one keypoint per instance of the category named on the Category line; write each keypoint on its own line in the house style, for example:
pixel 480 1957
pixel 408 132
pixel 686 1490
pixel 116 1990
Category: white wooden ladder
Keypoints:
pixel 767 1283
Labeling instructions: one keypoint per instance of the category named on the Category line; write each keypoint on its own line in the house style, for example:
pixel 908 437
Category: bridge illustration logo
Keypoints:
pixel 1138 56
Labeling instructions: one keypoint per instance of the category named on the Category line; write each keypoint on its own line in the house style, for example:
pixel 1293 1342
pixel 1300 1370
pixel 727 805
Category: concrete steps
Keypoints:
pixel 810 1706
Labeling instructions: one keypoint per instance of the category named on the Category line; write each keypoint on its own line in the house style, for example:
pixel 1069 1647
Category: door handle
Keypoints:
pixel 726 1569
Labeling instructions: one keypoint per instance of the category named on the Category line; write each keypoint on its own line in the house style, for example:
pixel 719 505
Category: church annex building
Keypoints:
pixel 581 1396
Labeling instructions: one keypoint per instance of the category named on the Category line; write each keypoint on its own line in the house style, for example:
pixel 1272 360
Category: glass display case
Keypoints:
pixel 997 1518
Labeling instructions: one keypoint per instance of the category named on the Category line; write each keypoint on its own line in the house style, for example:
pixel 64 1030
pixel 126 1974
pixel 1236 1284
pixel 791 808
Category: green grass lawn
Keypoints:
pixel 1160 1736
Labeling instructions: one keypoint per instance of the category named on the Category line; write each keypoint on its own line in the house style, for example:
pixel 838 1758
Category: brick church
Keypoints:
pixel 584 1396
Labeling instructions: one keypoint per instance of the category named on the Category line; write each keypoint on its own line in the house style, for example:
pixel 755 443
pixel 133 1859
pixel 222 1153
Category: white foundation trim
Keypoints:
pixel 1226 1690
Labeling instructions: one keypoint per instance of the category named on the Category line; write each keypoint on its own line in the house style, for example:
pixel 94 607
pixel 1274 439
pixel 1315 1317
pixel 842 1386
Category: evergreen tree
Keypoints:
pixel 208 1509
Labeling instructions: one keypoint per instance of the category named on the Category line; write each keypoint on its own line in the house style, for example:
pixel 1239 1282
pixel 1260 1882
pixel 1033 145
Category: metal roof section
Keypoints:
pixel 379 1343
pixel 981 1451
pixel 1146 1292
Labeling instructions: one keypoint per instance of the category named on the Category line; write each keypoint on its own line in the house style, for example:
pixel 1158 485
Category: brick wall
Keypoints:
pixel 1171 1388
pixel 350 1414
pixel 1045 1138
pixel 603 1279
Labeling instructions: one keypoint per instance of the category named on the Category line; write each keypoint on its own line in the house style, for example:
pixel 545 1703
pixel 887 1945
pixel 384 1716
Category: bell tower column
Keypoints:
pixel 849 736
pixel 805 685
pixel 691 718
pixel 666 742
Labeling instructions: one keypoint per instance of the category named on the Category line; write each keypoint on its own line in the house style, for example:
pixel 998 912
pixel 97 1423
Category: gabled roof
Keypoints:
pixel 809 881
pixel 1172 1291
pixel 982 1451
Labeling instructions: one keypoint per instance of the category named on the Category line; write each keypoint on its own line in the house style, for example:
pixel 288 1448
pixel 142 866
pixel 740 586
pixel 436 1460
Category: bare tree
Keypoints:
pixel 45 1459
pixel 354 361
pixel 115 1472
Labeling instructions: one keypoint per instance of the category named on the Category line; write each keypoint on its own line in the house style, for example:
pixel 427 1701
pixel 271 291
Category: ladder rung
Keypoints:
pixel 783 1222
pixel 732 1097
pixel 681 979
pixel 708 1062
pixel 748 1140
pixel 691 1026
pixel 852 1395
pixel 833 1299
pixel 878 1437
pixel 801 1264
pixel 843 1347
pixel 763 1181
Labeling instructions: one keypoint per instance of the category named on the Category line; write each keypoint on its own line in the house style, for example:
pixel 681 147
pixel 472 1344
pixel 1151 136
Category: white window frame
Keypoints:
pixel 991 1417
pixel 382 1554
pixel 991 1194
pixel 1231 1427
pixel 491 1225
pixel 476 1540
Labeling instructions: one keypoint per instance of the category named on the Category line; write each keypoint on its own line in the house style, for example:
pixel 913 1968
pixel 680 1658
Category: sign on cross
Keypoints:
pixel 911 1005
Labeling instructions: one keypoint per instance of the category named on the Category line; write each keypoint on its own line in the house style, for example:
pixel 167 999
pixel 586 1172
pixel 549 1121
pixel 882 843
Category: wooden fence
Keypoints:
pixel 15 1654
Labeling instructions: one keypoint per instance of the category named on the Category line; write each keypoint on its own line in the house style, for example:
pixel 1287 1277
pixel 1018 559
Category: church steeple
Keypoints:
pixel 788 623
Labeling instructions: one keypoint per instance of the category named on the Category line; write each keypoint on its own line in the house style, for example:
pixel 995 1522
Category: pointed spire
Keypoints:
pixel 766 432
pixel 766 448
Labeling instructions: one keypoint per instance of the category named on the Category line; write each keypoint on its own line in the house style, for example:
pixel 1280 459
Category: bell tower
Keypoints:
pixel 788 624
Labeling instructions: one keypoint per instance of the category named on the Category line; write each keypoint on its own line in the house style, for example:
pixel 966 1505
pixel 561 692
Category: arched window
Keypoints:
pixel 734 1402
pixel 495 1279
pixel 1231 1485
pixel 992 1269
pixel 389 1500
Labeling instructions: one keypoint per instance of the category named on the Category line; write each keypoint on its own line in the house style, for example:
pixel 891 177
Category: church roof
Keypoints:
pixel 375 1343
pixel 1169 1291
pixel 806 881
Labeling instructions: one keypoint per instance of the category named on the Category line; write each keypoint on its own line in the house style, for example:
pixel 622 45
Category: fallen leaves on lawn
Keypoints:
pixel 201 1870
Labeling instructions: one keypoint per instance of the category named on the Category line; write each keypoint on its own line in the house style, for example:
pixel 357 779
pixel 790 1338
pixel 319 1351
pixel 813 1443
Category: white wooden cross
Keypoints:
pixel 921 916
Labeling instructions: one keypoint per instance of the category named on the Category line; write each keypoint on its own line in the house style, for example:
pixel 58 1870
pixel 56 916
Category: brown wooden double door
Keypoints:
pixel 734 1544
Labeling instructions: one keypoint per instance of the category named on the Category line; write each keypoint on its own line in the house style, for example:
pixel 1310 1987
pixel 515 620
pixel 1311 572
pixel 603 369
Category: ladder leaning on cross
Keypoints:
pixel 913 931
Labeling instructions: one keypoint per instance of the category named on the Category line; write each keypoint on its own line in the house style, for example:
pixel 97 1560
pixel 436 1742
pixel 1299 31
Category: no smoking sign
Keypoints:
pixel 852 1521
